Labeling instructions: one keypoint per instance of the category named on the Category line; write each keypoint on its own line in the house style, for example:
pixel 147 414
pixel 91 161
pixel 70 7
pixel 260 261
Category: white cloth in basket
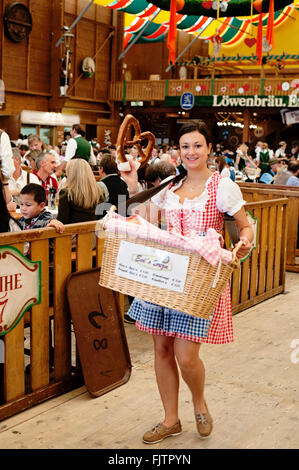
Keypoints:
pixel 209 246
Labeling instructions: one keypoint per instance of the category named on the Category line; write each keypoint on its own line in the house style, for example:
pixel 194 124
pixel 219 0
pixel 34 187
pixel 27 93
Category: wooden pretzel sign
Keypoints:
pixel 131 121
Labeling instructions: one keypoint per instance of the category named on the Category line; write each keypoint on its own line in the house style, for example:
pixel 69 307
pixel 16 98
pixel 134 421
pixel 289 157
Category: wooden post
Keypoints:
pixel 57 22
pixel 117 22
pixel 246 130
pixel 213 71
pixel 2 39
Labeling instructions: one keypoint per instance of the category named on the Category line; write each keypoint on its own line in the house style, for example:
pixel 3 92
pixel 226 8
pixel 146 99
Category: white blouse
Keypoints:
pixel 19 183
pixel 225 173
pixel 229 198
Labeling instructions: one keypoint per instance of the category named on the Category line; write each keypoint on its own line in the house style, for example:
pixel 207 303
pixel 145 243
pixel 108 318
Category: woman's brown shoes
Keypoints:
pixel 160 432
pixel 204 423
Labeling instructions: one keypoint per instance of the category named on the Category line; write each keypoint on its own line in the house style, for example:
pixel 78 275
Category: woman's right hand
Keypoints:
pixel 131 178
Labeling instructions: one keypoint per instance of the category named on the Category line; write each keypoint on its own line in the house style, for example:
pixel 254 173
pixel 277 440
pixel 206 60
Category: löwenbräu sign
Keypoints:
pixel 255 101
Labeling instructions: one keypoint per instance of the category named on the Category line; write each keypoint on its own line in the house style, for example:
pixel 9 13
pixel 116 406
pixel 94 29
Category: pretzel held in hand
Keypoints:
pixel 131 121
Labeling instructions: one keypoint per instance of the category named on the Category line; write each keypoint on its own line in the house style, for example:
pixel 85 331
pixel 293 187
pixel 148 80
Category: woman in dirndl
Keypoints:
pixel 194 205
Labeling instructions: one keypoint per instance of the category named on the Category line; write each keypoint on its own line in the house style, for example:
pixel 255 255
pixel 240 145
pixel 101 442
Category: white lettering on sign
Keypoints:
pixel 152 266
pixel 256 101
pixel 19 286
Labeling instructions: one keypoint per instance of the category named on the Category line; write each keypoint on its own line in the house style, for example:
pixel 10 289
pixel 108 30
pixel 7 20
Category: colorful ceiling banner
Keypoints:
pixel 230 20
pixel 223 8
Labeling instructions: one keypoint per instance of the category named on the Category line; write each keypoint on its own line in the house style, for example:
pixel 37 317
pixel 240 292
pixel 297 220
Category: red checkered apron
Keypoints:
pixel 187 221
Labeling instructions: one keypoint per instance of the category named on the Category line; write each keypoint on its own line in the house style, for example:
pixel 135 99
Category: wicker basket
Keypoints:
pixel 201 291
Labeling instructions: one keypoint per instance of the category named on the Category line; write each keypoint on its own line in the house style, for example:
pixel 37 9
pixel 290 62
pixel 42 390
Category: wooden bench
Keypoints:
pixel 261 192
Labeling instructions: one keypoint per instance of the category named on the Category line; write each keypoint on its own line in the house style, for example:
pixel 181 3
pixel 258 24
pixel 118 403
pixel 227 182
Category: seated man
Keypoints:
pixel 46 164
pixel 111 182
pixel 293 171
pixel 282 175
pixel 157 172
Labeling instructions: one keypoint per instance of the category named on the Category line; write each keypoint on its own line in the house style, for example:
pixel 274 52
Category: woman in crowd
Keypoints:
pixel 241 157
pixel 191 206
pixel 281 150
pixel 80 195
pixel 31 158
pixel 20 177
pixel 224 169
pixel 295 151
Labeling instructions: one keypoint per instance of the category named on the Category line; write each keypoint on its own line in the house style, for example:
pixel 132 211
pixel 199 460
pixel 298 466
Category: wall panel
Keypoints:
pixel 30 69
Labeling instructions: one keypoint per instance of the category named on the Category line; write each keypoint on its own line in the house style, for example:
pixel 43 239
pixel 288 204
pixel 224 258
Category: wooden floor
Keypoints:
pixel 252 390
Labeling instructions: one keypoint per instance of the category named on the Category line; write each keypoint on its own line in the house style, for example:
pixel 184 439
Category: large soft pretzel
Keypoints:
pixel 131 121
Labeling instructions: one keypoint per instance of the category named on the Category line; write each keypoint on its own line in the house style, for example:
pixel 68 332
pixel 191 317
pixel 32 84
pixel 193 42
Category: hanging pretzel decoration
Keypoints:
pixel 121 142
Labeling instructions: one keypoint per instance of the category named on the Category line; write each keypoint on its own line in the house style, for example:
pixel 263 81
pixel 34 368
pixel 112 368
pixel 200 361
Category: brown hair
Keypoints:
pixel 108 163
pixel 293 166
pixel 160 169
pixel 199 126
pixel 221 162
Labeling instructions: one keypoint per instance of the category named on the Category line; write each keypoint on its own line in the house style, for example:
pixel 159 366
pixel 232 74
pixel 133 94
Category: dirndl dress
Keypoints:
pixel 193 217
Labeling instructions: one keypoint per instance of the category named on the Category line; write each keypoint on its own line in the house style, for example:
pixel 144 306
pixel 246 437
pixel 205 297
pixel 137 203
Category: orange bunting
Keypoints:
pixel 172 32
pixel 258 5
pixel 270 26
pixel 259 40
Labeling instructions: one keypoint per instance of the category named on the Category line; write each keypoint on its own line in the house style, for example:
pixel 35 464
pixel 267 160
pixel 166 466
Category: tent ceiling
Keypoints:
pixel 198 17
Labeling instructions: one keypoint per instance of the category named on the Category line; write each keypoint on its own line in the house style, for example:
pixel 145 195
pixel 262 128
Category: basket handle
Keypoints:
pixel 107 217
pixel 235 250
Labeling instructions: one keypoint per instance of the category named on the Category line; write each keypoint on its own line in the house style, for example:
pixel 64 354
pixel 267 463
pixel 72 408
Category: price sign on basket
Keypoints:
pixel 152 266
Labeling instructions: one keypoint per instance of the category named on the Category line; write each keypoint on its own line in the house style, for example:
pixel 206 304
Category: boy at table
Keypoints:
pixel 34 214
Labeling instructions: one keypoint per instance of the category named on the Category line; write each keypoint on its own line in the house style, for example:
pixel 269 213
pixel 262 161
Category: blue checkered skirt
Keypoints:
pixel 156 319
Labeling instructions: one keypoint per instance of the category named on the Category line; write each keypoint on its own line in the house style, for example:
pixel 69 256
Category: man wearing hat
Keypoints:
pixel 269 176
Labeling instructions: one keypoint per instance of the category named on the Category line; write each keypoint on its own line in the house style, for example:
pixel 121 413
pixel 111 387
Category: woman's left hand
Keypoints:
pixel 244 250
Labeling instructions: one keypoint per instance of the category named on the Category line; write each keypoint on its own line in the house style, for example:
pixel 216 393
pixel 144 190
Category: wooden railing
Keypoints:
pixel 157 90
pixel 19 390
pixel 262 192
pixel 260 277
